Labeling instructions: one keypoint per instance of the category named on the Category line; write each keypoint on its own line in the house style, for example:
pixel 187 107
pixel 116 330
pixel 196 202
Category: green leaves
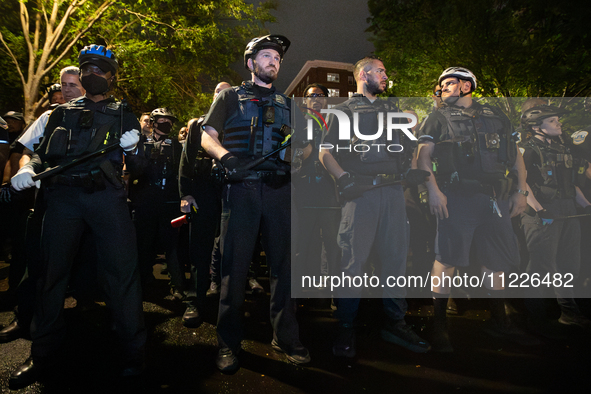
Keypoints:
pixel 168 49
pixel 517 48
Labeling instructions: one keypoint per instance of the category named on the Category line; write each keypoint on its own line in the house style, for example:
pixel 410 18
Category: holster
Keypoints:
pixel 111 173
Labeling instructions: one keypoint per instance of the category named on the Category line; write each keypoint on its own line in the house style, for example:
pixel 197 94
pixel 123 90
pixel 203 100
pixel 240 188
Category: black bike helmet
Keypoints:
pixel 99 56
pixel 56 87
pixel 271 41
pixel 162 113
pixel 536 115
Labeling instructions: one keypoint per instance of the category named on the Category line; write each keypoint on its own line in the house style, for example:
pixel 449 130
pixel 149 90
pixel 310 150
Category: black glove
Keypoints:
pixel 416 177
pixel 231 163
pixel 6 193
pixel 348 188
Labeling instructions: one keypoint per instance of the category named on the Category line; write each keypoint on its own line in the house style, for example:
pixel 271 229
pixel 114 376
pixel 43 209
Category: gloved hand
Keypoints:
pixel 349 189
pixel 231 163
pixel 5 193
pixel 129 140
pixel 416 177
pixel 24 179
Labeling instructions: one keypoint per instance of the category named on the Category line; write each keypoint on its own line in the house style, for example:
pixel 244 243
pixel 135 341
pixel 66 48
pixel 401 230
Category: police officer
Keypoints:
pixel 54 95
pixel 15 122
pixel 24 145
pixel 70 88
pixel 471 196
pixel 315 197
pixel 553 245
pixel 145 123
pixel 90 194
pixel 374 211
pixel 254 119
pixel 200 184
pixel 155 198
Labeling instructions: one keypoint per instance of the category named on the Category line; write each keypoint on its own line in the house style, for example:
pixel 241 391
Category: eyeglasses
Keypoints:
pixel 316 95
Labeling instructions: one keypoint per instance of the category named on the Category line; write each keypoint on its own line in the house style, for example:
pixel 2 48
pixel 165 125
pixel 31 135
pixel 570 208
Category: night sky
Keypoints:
pixel 319 30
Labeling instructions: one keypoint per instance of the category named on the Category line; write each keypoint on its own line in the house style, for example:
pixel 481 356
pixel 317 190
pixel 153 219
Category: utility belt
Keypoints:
pixel 91 181
pixel 498 188
pixel 546 194
pixel 379 179
pixel 205 167
pixel 272 177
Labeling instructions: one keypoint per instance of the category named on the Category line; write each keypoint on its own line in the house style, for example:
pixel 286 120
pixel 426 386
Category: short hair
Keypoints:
pixel 316 85
pixel 362 64
pixel 70 70
pixel 145 114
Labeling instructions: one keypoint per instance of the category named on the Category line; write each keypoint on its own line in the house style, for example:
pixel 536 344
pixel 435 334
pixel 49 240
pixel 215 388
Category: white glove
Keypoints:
pixel 24 179
pixel 129 140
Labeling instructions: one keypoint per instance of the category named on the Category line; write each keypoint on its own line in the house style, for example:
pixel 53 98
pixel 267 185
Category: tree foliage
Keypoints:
pixel 516 48
pixel 167 49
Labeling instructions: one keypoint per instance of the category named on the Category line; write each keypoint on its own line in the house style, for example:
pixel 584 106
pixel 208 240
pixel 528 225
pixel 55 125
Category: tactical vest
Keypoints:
pixel 371 157
pixel 558 169
pixel 259 126
pixel 163 157
pixel 82 130
pixel 478 144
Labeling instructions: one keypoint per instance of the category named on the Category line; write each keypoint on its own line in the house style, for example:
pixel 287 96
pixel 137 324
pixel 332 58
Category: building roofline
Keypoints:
pixel 316 64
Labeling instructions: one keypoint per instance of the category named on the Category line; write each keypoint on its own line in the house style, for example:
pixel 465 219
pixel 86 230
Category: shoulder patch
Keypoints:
pixel 579 137
pixel 280 99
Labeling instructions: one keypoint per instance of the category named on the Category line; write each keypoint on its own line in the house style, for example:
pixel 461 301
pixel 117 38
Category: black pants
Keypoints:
pixel 250 207
pixel 153 213
pixel 69 211
pixel 204 228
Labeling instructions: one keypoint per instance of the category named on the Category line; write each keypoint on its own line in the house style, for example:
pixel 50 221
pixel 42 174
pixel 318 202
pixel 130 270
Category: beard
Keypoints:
pixel 374 88
pixel 267 76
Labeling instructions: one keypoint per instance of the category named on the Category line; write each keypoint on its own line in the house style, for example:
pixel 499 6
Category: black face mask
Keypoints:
pixel 94 84
pixel 164 127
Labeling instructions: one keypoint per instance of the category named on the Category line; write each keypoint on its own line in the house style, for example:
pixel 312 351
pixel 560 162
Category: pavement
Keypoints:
pixel 181 360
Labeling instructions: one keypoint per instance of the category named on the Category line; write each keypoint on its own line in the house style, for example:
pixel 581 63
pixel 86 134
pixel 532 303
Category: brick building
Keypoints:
pixel 336 76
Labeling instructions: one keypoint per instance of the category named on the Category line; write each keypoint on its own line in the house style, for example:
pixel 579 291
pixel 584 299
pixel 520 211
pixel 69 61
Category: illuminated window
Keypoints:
pixel 332 77
pixel 333 92
pixel 351 94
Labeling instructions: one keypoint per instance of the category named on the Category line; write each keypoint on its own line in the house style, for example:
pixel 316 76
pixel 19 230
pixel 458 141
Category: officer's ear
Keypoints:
pixel 362 77
pixel 112 81
pixel 465 85
pixel 250 64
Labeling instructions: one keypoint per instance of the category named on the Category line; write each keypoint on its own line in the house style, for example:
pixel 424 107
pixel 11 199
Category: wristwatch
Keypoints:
pixel 524 192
